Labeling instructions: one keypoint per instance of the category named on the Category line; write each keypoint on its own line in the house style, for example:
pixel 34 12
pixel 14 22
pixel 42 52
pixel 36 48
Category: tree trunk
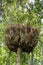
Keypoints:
pixel 18 56
pixel 31 60
pixel 8 58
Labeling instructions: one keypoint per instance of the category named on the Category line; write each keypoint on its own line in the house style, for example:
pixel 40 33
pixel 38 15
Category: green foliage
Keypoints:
pixel 14 12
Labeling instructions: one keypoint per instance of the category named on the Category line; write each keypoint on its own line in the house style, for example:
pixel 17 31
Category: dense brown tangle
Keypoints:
pixel 22 36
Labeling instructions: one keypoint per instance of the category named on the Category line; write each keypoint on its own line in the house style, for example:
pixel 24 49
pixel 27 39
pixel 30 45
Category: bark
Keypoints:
pixel 32 58
pixel 8 58
pixel 18 56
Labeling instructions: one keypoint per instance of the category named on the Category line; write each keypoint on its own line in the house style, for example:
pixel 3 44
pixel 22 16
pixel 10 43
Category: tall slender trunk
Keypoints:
pixel 32 59
pixel 8 58
pixel 18 56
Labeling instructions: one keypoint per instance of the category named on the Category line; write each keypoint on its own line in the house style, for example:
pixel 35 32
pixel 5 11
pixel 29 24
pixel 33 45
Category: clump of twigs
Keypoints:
pixel 22 36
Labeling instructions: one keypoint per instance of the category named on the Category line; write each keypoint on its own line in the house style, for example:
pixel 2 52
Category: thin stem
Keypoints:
pixel 18 56
pixel 8 59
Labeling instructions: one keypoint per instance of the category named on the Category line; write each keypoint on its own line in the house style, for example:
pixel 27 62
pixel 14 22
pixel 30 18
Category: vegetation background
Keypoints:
pixel 21 11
